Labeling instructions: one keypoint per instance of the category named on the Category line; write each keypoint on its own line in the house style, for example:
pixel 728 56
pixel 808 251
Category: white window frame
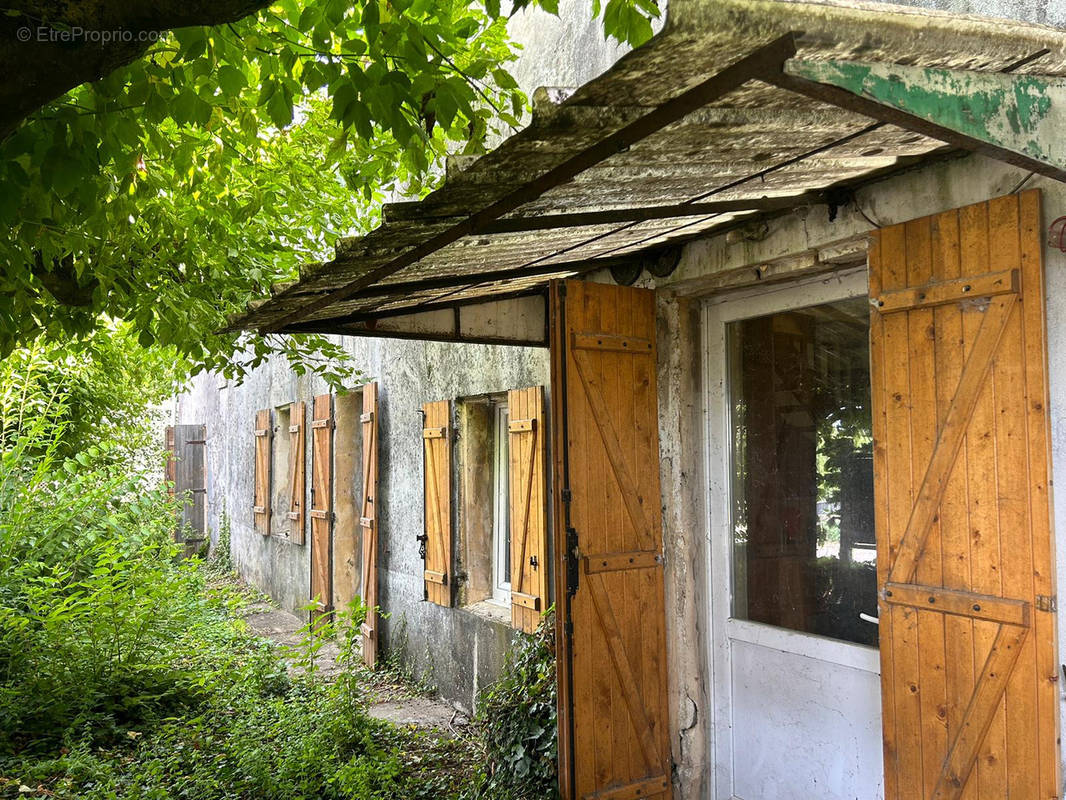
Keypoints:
pixel 501 510
pixel 718 312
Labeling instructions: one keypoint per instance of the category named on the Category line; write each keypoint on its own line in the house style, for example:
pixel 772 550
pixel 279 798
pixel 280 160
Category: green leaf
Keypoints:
pixel 231 80
pixel 279 107
pixel 504 79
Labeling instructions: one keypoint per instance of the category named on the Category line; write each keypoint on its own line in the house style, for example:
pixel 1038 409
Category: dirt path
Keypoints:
pixel 389 699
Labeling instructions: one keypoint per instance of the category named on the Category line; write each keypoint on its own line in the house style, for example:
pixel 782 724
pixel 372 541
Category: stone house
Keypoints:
pixel 743 356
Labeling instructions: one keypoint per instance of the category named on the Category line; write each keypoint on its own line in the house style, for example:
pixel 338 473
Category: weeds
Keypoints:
pixel 125 671
pixel 517 721
pixel 221 559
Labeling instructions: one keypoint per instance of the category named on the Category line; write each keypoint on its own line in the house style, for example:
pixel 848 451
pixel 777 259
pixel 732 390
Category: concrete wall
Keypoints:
pixel 914 194
pixel 455 649
pixel 1047 12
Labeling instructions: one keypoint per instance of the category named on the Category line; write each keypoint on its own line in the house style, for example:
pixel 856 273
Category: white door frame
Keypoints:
pixel 716 313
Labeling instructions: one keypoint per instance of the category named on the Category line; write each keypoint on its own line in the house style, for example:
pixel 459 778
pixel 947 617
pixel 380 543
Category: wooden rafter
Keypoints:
pixel 766 59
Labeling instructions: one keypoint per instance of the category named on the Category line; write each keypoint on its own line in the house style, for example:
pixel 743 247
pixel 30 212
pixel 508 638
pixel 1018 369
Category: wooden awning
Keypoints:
pixel 737 108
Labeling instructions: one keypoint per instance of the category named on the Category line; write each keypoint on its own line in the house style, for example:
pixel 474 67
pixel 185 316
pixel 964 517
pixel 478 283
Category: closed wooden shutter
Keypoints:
pixel 187 477
pixel 368 522
pixel 264 434
pixel 297 471
pixel 437 497
pixel 614 722
pixel 170 467
pixel 528 506
pixel 322 501
pixel 965 564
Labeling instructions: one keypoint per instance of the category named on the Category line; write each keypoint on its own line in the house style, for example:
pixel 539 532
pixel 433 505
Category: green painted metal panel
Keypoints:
pixel 1022 113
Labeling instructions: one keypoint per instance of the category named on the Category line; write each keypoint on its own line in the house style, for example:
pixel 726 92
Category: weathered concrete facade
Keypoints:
pixel 453 648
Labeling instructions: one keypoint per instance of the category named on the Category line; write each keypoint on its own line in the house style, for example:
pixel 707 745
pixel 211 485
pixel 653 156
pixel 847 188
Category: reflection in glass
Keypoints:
pixel 802 517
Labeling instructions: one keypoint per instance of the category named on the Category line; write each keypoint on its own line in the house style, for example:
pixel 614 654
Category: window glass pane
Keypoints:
pixel 802 470
pixel 502 513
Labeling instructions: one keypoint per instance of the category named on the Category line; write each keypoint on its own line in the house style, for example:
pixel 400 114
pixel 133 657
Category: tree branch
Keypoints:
pixel 53 46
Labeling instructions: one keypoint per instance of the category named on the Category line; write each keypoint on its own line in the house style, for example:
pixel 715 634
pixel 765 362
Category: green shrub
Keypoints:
pixel 221 558
pixel 93 602
pixel 517 718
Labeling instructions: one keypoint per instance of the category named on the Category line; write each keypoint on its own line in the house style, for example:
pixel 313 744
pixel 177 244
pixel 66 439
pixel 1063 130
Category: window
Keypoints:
pixel 501 516
pixel 281 486
pixel 484 516
pixel 501 483
pixel 802 473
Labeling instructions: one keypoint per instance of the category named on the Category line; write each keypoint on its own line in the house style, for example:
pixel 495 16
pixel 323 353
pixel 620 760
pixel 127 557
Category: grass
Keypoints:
pixel 256 731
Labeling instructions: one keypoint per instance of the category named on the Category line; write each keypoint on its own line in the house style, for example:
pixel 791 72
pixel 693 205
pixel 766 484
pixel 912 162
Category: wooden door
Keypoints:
pixel 436 539
pixel 187 475
pixel 368 522
pixel 614 738
pixel 966 571
pixel 322 501
pixel 527 500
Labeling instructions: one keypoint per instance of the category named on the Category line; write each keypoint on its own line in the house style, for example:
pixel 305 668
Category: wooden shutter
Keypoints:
pixel 297 471
pixel 528 506
pixel 170 467
pixel 437 496
pixel 322 501
pixel 264 434
pixel 187 477
pixel 614 722
pixel 368 522
pixel 965 564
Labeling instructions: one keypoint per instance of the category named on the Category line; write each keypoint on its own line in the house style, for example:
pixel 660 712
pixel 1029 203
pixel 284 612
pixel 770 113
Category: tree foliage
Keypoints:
pixel 187 183
pixel 103 392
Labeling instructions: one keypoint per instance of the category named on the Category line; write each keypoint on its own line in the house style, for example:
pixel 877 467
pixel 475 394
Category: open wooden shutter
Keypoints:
pixel 437 472
pixel 368 522
pixel 527 497
pixel 297 471
pixel 614 722
pixel 322 501
pixel 264 433
pixel 965 564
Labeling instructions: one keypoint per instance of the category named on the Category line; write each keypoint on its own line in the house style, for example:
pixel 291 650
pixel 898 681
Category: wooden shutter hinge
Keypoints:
pixel 1048 603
